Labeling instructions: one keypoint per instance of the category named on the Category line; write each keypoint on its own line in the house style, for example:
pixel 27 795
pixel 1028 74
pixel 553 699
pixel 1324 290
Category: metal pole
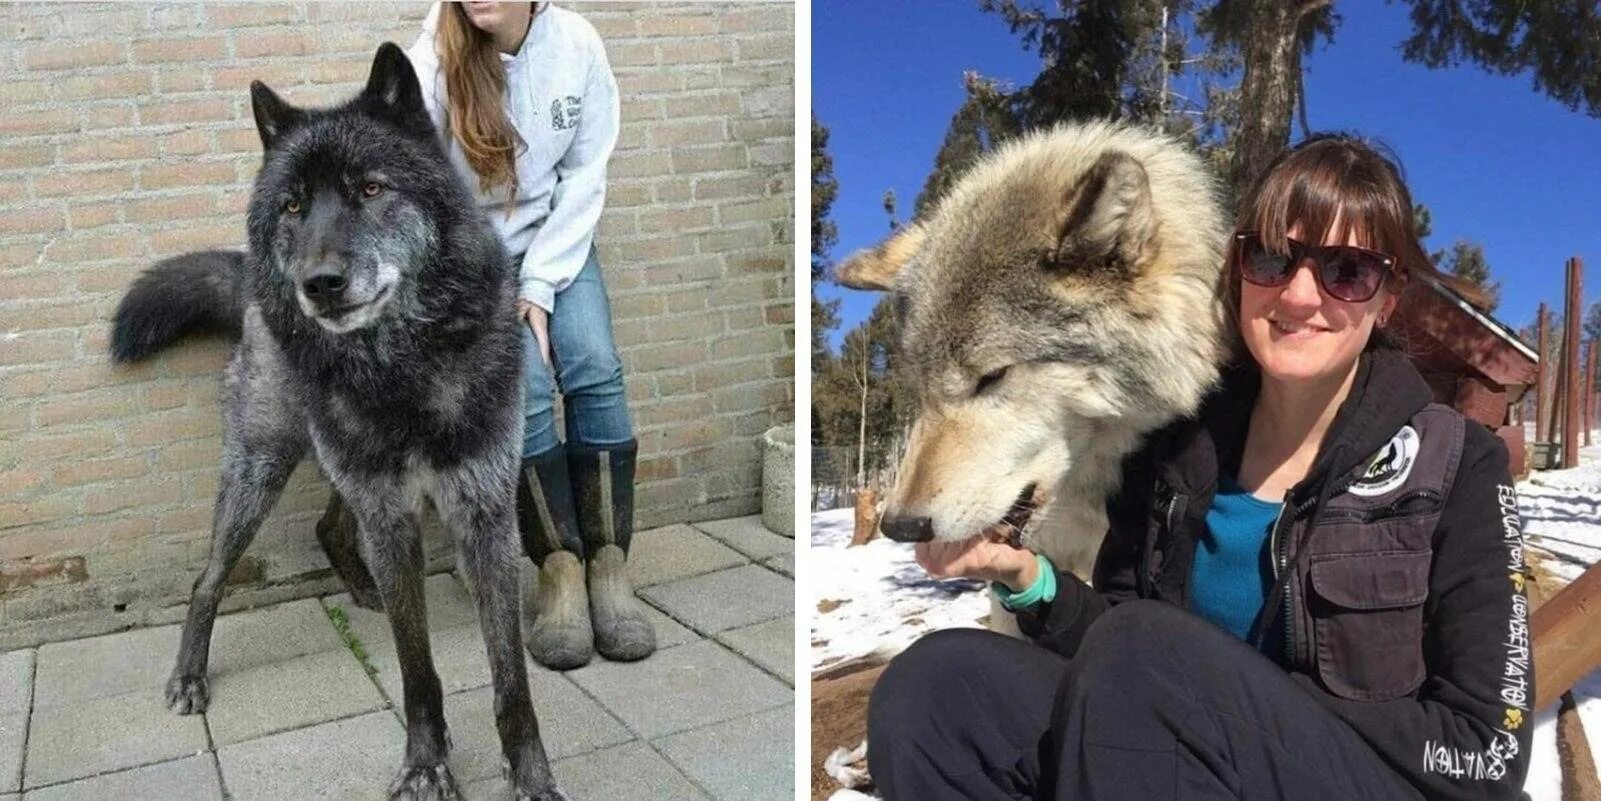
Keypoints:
pixel 1542 395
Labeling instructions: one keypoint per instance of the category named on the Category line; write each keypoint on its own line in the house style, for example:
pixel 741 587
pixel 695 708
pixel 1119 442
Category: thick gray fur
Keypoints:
pixel 405 385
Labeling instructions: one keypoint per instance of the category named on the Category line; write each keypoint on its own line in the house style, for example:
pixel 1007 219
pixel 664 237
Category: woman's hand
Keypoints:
pixel 539 320
pixel 980 558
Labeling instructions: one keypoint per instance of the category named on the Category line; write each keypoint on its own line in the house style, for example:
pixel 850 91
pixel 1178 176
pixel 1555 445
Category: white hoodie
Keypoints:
pixel 562 99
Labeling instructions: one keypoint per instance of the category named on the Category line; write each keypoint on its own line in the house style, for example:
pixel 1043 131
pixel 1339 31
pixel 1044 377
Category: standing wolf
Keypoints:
pixel 377 329
pixel 1059 304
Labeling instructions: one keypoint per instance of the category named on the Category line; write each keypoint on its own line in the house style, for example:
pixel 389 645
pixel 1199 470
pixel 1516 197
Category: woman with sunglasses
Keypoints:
pixel 1312 590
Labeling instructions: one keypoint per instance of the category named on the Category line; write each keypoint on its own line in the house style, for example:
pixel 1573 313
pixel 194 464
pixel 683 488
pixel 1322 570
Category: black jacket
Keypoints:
pixel 1401 559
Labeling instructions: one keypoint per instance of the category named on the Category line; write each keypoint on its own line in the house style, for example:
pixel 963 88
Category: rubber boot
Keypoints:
pixel 560 637
pixel 603 488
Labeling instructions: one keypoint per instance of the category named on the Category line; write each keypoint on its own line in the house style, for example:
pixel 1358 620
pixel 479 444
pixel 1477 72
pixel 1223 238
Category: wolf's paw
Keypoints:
pixel 187 695
pixel 424 783
pixel 551 794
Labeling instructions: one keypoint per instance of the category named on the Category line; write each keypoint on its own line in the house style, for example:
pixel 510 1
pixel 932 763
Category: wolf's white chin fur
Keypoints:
pixel 388 275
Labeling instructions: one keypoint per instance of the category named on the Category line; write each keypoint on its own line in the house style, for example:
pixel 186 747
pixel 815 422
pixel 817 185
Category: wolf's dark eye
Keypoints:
pixel 371 189
pixel 292 206
pixel 988 380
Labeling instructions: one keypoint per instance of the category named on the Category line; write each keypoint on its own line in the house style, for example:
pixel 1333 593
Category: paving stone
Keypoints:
pixel 13 737
pixel 353 759
pixel 288 695
pixel 681 688
pixel 628 771
pixel 570 723
pixel 674 552
pixel 726 599
pixel 748 536
pixel 784 564
pixel 669 632
pixel 16 680
pixel 770 644
pixel 108 734
pixel 459 659
pixel 106 666
pixel 449 606
pixel 271 634
pixel 747 759
pixel 190 779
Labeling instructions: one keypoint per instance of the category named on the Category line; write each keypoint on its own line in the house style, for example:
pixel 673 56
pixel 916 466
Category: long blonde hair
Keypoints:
pixel 475 83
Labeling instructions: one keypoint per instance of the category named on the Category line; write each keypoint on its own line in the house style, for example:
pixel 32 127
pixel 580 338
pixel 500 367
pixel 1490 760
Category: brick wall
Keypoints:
pixel 126 136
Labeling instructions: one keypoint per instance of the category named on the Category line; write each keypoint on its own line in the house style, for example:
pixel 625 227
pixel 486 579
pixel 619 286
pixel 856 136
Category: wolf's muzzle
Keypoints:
pixel 325 287
pixel 907 529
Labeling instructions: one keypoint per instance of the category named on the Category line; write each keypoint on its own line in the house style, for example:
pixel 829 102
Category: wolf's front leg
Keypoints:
pixel 392 549
pixel 252 476
pixel 490 552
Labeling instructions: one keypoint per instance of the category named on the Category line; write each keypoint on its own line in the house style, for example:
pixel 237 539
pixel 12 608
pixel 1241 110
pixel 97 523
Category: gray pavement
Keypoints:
pixel 296 714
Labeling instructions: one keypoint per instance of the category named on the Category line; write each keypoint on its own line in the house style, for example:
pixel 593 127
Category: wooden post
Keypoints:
pixel 1542 395
pixel 866 517
pixel 1563 633
pixel 1588 391
pixel 1574 320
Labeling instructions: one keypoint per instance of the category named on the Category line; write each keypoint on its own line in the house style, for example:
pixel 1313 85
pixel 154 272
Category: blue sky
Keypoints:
pixel 1494 160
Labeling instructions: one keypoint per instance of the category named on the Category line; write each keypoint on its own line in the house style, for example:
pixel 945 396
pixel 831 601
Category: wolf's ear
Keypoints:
pixel 1110 217
pixel 274 117
pixel 877 268
pixel 393 84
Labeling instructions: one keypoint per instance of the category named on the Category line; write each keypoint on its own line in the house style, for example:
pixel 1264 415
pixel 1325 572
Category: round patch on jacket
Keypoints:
pixel 1389 468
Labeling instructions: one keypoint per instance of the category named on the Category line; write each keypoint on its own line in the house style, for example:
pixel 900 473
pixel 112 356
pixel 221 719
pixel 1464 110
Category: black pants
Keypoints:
pixel 1158 704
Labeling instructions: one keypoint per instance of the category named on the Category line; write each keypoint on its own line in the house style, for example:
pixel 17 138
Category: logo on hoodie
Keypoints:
pixel 1389 468
pixel 564 112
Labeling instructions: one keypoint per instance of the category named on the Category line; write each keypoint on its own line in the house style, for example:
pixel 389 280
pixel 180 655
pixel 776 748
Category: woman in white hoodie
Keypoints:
pixel 526 105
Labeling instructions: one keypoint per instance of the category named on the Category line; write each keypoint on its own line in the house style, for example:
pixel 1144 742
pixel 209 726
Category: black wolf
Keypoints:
pixel 377 328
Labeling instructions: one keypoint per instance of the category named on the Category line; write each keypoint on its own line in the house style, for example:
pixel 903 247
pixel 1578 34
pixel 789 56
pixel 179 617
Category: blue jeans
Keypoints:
pixel 587 371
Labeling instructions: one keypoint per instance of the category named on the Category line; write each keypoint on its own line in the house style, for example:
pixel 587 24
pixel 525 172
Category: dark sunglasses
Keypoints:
pixel 1345 272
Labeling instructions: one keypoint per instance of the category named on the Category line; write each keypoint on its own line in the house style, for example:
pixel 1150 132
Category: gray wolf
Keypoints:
pixel 1059 304
pixel 376 329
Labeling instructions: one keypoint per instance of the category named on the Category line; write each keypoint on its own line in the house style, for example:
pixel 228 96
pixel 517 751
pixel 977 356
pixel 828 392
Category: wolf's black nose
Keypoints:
pixel 323 285
pixel 907 529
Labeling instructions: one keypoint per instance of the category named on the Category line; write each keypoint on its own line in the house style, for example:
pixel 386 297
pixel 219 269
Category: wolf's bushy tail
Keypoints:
pixel 201 291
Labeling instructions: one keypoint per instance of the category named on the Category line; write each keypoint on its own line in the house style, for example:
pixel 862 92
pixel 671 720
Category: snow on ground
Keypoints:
pixel 874 598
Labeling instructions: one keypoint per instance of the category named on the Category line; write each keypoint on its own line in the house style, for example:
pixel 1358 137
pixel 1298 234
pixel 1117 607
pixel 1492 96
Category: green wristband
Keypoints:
pixel 1043 590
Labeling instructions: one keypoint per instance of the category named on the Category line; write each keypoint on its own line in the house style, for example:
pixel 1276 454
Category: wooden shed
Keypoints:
pixel 1475 363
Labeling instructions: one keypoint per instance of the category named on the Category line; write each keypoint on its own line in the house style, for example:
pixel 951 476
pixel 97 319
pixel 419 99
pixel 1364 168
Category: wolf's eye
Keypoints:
pixel 292 206
pixel 988 380
pixel 371 189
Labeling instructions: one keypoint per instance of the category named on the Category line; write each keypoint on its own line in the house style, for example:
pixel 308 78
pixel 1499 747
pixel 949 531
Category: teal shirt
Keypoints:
pixel 1233 569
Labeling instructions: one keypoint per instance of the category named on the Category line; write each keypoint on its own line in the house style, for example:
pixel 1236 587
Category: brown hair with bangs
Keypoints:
pixel 475 83
pixel 1336 184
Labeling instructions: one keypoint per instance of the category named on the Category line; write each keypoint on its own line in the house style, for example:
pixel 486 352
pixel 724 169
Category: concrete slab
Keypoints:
pixel 748 536
pixel 628 771
pixel 459 659
pixel 13 738
pixel 449 606
pixel 748 759
pixel 570 723
pixel 304 691
pixel 108 734
pixel 271 634
pixel 726 599
pixel 189 779
pixel 347 760
pixel 674 552
pixel 784 564
pixel 681 688
pixel 770 645
pixel 669 632
pixel 16 680
pixel 101 667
